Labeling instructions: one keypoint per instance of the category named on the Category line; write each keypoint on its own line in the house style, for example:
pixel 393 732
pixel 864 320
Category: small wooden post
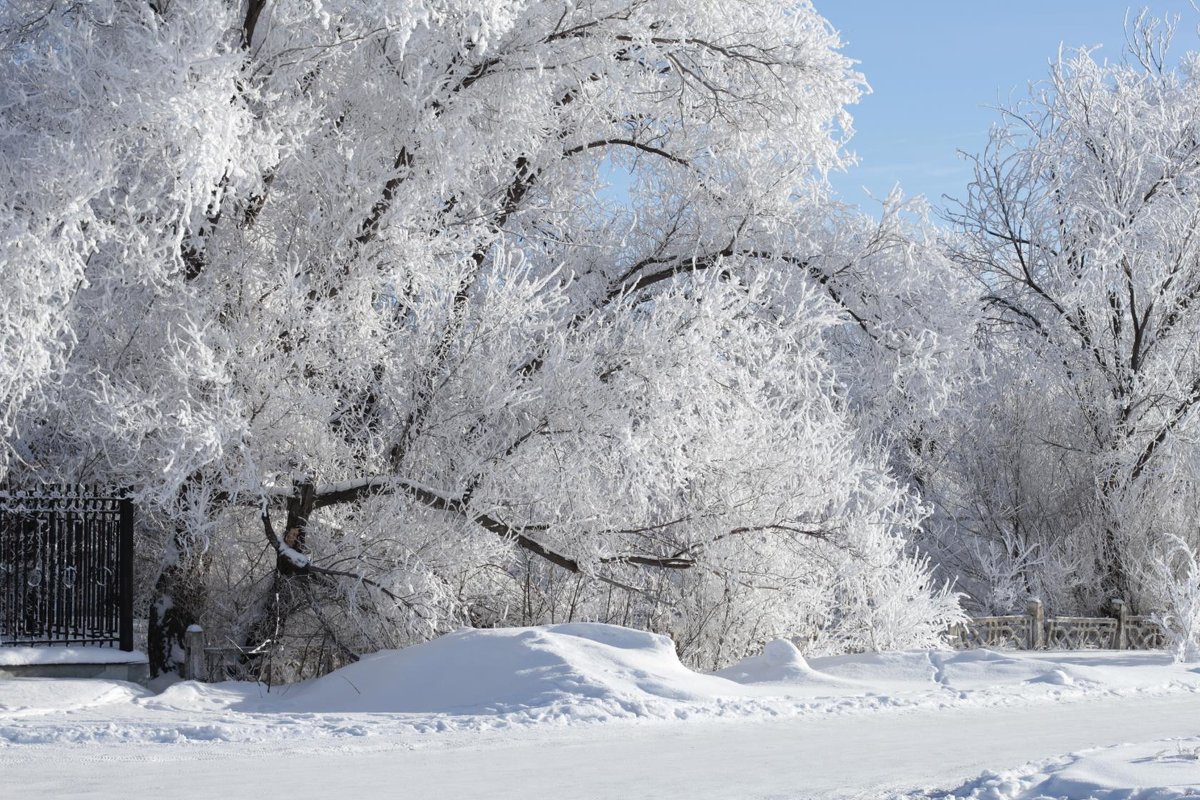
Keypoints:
pixel 194 668
pixel 1122 612
pixel 1037 625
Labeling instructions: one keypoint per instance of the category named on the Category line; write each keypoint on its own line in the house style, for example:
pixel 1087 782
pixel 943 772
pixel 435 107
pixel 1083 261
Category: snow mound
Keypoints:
pixel 982 669
pixel 780 662
pixel 202 697
pixel 1165 770
pixel 1055 677
pixel 503 671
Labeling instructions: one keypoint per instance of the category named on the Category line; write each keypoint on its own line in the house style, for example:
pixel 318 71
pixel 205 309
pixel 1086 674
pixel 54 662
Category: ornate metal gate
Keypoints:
pixel 66 567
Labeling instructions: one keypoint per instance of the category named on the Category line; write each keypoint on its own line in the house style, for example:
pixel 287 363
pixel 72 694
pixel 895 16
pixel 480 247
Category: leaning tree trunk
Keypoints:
pixel 284 593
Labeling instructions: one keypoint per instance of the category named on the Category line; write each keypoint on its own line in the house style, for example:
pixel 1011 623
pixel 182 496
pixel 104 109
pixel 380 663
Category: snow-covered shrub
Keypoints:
pixel 1170 576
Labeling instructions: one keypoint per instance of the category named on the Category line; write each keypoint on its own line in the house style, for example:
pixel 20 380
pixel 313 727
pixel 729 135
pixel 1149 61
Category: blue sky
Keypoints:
pixel 939 68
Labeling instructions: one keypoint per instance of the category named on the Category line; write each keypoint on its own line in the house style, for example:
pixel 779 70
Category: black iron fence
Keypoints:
pixel 66 567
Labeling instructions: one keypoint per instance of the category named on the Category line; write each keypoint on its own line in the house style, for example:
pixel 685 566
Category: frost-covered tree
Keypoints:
pixel 1081 230
pixel 404 315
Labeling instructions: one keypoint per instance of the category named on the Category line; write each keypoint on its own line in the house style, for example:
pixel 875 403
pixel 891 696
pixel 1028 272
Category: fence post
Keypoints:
pixel 1122 612
pixel 194 668
pixel 1037 625
pixel 125 580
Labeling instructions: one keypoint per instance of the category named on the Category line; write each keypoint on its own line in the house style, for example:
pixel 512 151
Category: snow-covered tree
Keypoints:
pixel 1081 232
pixel 400 315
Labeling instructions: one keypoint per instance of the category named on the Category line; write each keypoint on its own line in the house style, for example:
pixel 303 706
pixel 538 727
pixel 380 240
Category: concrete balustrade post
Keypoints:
pixel 1037 625
pixel 194 668
pixel 1122 614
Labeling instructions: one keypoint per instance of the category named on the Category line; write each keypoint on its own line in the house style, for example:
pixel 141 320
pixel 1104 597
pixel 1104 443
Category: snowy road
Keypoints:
pixel 843 756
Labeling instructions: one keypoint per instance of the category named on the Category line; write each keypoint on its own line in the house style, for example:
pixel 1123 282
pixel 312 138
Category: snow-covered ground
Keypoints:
pixel 599 711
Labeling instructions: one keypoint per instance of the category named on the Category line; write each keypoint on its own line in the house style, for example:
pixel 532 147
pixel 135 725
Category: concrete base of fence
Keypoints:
pixel 73 662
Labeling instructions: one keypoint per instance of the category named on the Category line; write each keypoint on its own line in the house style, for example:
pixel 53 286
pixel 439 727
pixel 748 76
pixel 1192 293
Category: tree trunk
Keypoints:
pixel 178 598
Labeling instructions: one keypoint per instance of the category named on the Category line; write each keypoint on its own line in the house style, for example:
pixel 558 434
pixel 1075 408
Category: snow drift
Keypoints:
pixel 594 671
pixel 1161 770
pixel 780 662
pixel 512 669
pixel 565 675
